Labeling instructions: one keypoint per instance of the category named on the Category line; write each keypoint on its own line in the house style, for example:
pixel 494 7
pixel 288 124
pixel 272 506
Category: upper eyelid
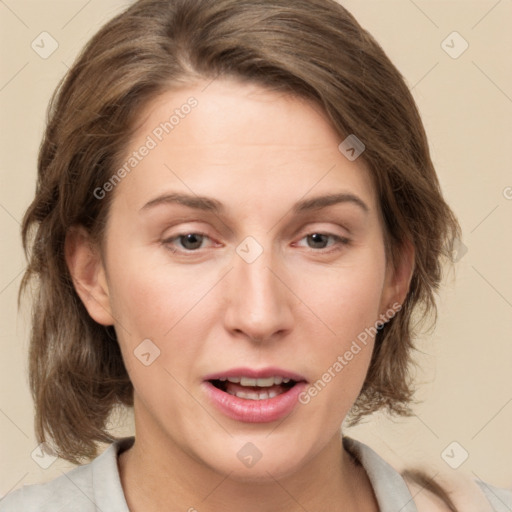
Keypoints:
pixel 341 231
pixel 344 229
pixel 339 238
pixel 184 233
pixel 289 232
pixel 168 240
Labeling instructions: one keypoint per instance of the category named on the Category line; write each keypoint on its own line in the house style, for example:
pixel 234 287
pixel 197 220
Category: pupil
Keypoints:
pixel 191 241
pixel 319 240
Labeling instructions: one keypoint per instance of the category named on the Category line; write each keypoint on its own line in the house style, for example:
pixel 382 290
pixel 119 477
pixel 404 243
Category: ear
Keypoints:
pixel 87 271
pixel 398 276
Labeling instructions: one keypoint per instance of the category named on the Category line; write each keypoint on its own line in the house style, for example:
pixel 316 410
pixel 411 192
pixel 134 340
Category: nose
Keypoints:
pixel 259 302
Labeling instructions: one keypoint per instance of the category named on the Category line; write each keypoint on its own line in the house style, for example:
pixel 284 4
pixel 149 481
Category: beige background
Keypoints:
pixel 466 103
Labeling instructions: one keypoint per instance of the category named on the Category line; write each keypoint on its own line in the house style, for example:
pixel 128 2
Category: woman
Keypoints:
pixel 236 217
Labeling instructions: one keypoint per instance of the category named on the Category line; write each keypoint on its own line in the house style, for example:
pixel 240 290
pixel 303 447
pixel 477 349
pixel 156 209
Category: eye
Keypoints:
pixel 324 240
pixel 186 242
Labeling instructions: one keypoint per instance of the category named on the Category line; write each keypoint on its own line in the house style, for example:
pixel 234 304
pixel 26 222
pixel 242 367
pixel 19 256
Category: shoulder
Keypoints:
pixel 500 499
pixel 419 491
pixel 70 491
pixel 88 488
pixel 465 493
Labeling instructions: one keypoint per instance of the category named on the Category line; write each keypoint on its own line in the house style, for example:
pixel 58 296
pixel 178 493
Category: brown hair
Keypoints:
pixel 310 48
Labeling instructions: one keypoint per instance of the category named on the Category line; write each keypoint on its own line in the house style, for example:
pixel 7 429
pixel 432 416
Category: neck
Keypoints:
pixel 156 474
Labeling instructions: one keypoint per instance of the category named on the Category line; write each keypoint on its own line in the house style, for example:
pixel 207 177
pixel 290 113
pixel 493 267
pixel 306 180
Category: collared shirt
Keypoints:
pixel 96 487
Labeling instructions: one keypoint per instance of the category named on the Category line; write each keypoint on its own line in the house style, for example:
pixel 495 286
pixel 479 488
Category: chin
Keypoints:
pixel 257 460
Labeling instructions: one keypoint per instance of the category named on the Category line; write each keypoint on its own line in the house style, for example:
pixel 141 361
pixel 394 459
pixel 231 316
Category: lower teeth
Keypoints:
pixel 254 395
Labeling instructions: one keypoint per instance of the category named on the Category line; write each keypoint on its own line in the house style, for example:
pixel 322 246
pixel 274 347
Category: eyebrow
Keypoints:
pixel 317 203
pixel 192 201
pixel 213 205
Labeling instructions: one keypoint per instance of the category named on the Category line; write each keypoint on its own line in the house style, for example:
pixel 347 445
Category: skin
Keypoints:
pixel 298 306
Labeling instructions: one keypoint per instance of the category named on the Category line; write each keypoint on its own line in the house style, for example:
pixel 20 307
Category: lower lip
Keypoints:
pixel 255 411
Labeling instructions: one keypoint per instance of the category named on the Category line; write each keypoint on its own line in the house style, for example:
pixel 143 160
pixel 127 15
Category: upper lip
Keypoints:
pixel 260 373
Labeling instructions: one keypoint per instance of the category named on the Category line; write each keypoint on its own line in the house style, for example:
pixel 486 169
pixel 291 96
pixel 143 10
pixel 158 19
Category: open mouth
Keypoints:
pixel 254 388
pixel 254 396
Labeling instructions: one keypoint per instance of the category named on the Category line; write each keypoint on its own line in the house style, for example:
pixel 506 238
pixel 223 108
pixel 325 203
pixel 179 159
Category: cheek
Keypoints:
pixel 150 299
pixel 168 306
pixel 158 341
pixel 346 301
pixel 347 298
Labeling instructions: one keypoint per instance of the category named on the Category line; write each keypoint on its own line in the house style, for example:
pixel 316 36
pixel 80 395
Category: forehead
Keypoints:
pixel 241 142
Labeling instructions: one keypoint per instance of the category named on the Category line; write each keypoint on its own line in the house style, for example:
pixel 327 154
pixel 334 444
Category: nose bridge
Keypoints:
pixel 258 302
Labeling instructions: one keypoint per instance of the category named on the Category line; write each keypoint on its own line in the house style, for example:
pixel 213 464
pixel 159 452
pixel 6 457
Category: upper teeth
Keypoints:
pixel 264 383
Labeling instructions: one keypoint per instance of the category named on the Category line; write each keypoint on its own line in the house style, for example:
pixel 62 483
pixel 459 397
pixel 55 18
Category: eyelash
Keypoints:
pixel 169 241
pixel 339 242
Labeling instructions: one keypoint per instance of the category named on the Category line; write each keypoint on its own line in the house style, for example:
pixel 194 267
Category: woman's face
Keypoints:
pixel 242 244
